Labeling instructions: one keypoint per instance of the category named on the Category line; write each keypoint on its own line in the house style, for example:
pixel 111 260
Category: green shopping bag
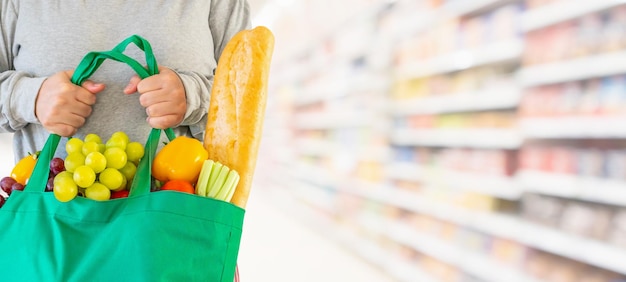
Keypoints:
pixel 149 236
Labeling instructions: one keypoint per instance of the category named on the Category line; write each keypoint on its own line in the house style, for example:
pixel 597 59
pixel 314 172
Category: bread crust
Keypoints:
pixel 237 106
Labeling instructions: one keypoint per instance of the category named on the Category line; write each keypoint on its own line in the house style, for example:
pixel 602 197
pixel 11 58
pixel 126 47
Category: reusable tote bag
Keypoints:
pixel 149 236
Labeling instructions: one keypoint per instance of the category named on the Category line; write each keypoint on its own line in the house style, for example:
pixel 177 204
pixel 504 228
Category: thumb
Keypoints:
pixel 93 87
pixel 132 85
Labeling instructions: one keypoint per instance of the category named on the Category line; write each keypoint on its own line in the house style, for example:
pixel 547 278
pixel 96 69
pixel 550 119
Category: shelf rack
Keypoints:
pixel 320 186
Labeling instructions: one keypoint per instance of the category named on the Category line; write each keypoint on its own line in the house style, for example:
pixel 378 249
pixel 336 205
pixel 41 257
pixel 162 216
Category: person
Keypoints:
pixel 43 41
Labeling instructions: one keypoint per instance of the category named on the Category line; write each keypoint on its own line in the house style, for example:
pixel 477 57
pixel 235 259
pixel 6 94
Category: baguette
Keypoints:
pixel 237 106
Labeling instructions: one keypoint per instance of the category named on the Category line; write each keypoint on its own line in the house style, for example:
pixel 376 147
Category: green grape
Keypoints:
pixel 64 189
pixel 116 157
pixel 129 171
pixel 91 137
pixel 123 186
pixel 98 192
pixel 74 145
pixel 96 161
pixel 90 146
pixel 62 176
pixel 134 151
pixel 122 135
pixel 111 178
pixel 118 140
pixel 84 176
pixel 74 160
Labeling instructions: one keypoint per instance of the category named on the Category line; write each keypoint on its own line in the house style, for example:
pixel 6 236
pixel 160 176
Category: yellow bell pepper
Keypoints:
pixel 181 159
pixel 24 168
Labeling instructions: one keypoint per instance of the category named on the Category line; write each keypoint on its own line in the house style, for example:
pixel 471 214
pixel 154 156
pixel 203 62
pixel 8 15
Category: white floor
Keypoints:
pixel 277 246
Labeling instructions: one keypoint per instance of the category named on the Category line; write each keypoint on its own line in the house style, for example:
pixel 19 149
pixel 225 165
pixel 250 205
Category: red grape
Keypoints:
pixel 7 184
pixel 17 186
pixel 57 165
pixel 2 200
pixel 50 184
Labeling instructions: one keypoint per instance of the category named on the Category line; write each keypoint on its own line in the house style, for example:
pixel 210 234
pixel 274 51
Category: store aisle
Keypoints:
pixel 277 247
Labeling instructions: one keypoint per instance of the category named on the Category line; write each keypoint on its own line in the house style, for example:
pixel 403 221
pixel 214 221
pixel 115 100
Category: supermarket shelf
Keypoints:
pixel 494 99
pixel 332 120
pixel 498 186
pixel 421 20
pixel 563 10
pixel 327 29
pixel 402 270
pixel 463 8
pixel 575 69
pixel 311 97
pixel 479 265
pixel 490 54
pixel 406 171
pixel 554 241
pixel 314 174
pixel 319 93
pixel 370 251
pixel 574 127
pixel 474 138
pixel 325 148
pixel 570 186
pixel 316 196
pixel 313 147
pixel 396 267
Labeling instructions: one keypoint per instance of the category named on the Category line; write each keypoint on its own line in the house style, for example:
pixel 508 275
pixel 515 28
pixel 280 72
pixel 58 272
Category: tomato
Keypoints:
pixel 119 194
pixel 178 185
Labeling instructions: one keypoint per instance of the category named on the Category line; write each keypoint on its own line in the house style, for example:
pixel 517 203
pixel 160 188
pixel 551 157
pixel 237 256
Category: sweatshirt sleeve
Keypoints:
pixel 18 90
pixel 226 18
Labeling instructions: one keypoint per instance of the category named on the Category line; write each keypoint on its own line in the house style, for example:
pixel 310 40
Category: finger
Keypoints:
pixel 132 85
pixel 75 121
pixel 69 73
pixel 81 109
pixel 63 129
pixel 93 87
pixel 162 96
pixel 150 84
pixel 164 122
pixel 165 108
pixel 66 124
pixel 86 97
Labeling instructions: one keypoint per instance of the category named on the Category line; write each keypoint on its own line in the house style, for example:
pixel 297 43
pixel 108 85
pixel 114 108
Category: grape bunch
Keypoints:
pixel 8 184
pixel 97 170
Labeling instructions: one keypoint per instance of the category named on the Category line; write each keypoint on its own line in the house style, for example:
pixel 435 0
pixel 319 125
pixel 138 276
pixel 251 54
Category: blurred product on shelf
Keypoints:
pixel 592 34
pixel 549 267
pixel 591 98
pixel 608 161
pixel 458 121
pixel 591 220
pixel 617 233
pixel 481 162
pixel 447 35
pixel 472 80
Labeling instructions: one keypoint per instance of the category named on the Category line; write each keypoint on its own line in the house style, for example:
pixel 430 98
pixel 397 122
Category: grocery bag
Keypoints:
pixel 149 236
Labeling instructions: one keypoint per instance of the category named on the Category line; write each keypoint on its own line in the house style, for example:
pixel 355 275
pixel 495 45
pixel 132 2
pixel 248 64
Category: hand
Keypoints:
pixel 163 96
pixel 62 106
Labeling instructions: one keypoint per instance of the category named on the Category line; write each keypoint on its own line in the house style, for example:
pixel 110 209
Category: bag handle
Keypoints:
pixel 88 65
pixel 143 45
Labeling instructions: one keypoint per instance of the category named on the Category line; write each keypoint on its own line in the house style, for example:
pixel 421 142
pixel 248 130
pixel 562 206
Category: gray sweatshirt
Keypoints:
pixel 43 37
